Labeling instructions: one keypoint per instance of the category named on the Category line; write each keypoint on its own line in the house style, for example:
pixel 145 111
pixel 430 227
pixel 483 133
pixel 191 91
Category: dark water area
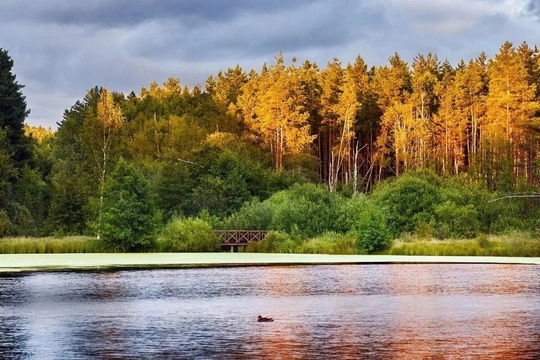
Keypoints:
pixel 425 311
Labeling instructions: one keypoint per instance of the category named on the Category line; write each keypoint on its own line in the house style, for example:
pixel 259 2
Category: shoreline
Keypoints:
pixel 20 263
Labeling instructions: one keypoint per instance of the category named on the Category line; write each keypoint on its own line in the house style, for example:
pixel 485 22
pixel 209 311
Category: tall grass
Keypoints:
pixel 50 245
pixel 328 243
pixel 517 244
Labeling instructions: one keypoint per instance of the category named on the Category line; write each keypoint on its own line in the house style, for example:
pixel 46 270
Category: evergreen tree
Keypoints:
pixel 22 190
pixel 73 178
pixel 392 86
pixel 277 114
pixel 511 104
pixel 13 112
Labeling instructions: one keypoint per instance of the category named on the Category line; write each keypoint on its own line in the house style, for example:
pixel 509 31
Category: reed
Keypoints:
pixel 330 243
pixel 51 245
pixel 517 244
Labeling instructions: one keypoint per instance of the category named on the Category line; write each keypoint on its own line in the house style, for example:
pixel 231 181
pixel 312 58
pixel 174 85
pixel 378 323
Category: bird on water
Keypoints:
pixel 264 319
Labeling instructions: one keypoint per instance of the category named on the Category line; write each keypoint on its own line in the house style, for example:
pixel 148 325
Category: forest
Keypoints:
pixel 375 151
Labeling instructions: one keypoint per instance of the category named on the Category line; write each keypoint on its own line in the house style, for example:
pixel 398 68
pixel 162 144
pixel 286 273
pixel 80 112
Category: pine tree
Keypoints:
pixel 13 112
pixel 22 189
pixel 511 104
pixel 392 86
pixel 273 108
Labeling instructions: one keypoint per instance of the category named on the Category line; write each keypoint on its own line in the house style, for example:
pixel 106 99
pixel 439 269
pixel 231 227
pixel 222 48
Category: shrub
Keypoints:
pixel 302 211
pixel 189 235
pixel 484 242
pixel 350 212
pixel 410 201
pixel 305 210
pixel 253 215
pixel 274 242
pixel 456 221
pixel 21 218
pixel 371 230
pixel 6 227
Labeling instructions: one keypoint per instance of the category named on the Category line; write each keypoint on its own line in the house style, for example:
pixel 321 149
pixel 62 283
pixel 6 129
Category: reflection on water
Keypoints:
pixel 363 311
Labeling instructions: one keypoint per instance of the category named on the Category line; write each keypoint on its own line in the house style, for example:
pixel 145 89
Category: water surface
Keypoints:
pixel 422 311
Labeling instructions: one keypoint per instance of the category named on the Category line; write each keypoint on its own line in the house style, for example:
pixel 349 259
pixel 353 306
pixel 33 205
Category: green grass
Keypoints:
pixel 330 243
pixel 516 244
pixel 50 245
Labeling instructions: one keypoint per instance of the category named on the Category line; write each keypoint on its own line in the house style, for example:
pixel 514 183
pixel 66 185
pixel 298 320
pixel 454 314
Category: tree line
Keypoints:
pixel 250 134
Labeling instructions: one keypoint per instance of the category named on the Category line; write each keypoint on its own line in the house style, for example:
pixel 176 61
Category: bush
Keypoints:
pixel 484 242
pixel 189 235
pixel 302 211
pixel 410 200
pixel 305 210
pixel 456 221
pixel 21 218
pixel 6 227
pixel 253 215
pixel 274 242
pixel 350 213
pixel 371 231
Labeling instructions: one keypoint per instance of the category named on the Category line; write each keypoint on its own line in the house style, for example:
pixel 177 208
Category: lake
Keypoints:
pixel 404 311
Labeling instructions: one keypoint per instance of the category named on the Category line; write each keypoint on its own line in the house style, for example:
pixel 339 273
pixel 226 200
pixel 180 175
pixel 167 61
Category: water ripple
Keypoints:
pixel 346 312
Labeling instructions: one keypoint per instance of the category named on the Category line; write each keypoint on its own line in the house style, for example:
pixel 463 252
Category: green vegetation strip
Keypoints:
pixel 57 262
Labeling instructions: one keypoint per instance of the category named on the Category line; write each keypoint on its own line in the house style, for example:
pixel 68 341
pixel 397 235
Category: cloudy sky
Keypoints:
pixel 61 48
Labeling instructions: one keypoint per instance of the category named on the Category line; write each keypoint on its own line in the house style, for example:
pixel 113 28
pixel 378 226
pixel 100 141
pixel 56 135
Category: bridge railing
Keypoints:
pixel 234 238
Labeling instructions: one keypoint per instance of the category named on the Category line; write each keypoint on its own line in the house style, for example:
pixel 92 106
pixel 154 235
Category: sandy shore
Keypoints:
pixel 57 262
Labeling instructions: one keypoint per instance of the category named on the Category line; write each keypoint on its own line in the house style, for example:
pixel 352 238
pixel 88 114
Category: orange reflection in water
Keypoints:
pixel 420 314
pixel 300 331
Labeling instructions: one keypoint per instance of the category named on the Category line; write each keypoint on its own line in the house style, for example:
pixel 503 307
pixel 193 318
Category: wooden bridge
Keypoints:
pixel 234 238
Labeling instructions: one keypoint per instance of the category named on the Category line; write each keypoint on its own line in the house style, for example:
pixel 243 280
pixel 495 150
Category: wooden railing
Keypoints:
pixel 235 238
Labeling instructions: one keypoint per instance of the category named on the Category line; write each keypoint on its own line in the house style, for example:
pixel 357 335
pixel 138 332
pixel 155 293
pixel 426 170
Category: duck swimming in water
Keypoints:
pixel 264 319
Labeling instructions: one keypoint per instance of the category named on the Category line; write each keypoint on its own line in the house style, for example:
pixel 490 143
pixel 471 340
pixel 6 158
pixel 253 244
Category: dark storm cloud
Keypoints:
pixel 315 25
pixel 61 48
pixel 106 13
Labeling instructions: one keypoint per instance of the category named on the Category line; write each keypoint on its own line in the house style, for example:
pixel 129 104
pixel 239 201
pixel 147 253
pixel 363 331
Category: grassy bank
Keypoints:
pixel 50 245
pixel 517 244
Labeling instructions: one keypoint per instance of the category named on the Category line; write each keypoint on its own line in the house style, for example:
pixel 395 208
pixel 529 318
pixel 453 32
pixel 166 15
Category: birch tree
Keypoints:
pixel 101 135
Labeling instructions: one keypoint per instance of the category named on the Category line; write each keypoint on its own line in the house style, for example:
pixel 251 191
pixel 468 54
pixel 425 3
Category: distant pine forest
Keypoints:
pixel 451 150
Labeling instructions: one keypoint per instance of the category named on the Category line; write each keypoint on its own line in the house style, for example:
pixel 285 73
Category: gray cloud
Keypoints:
pixel 533 8
pixel 61 48
pixel 318 24
pixel 130 12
